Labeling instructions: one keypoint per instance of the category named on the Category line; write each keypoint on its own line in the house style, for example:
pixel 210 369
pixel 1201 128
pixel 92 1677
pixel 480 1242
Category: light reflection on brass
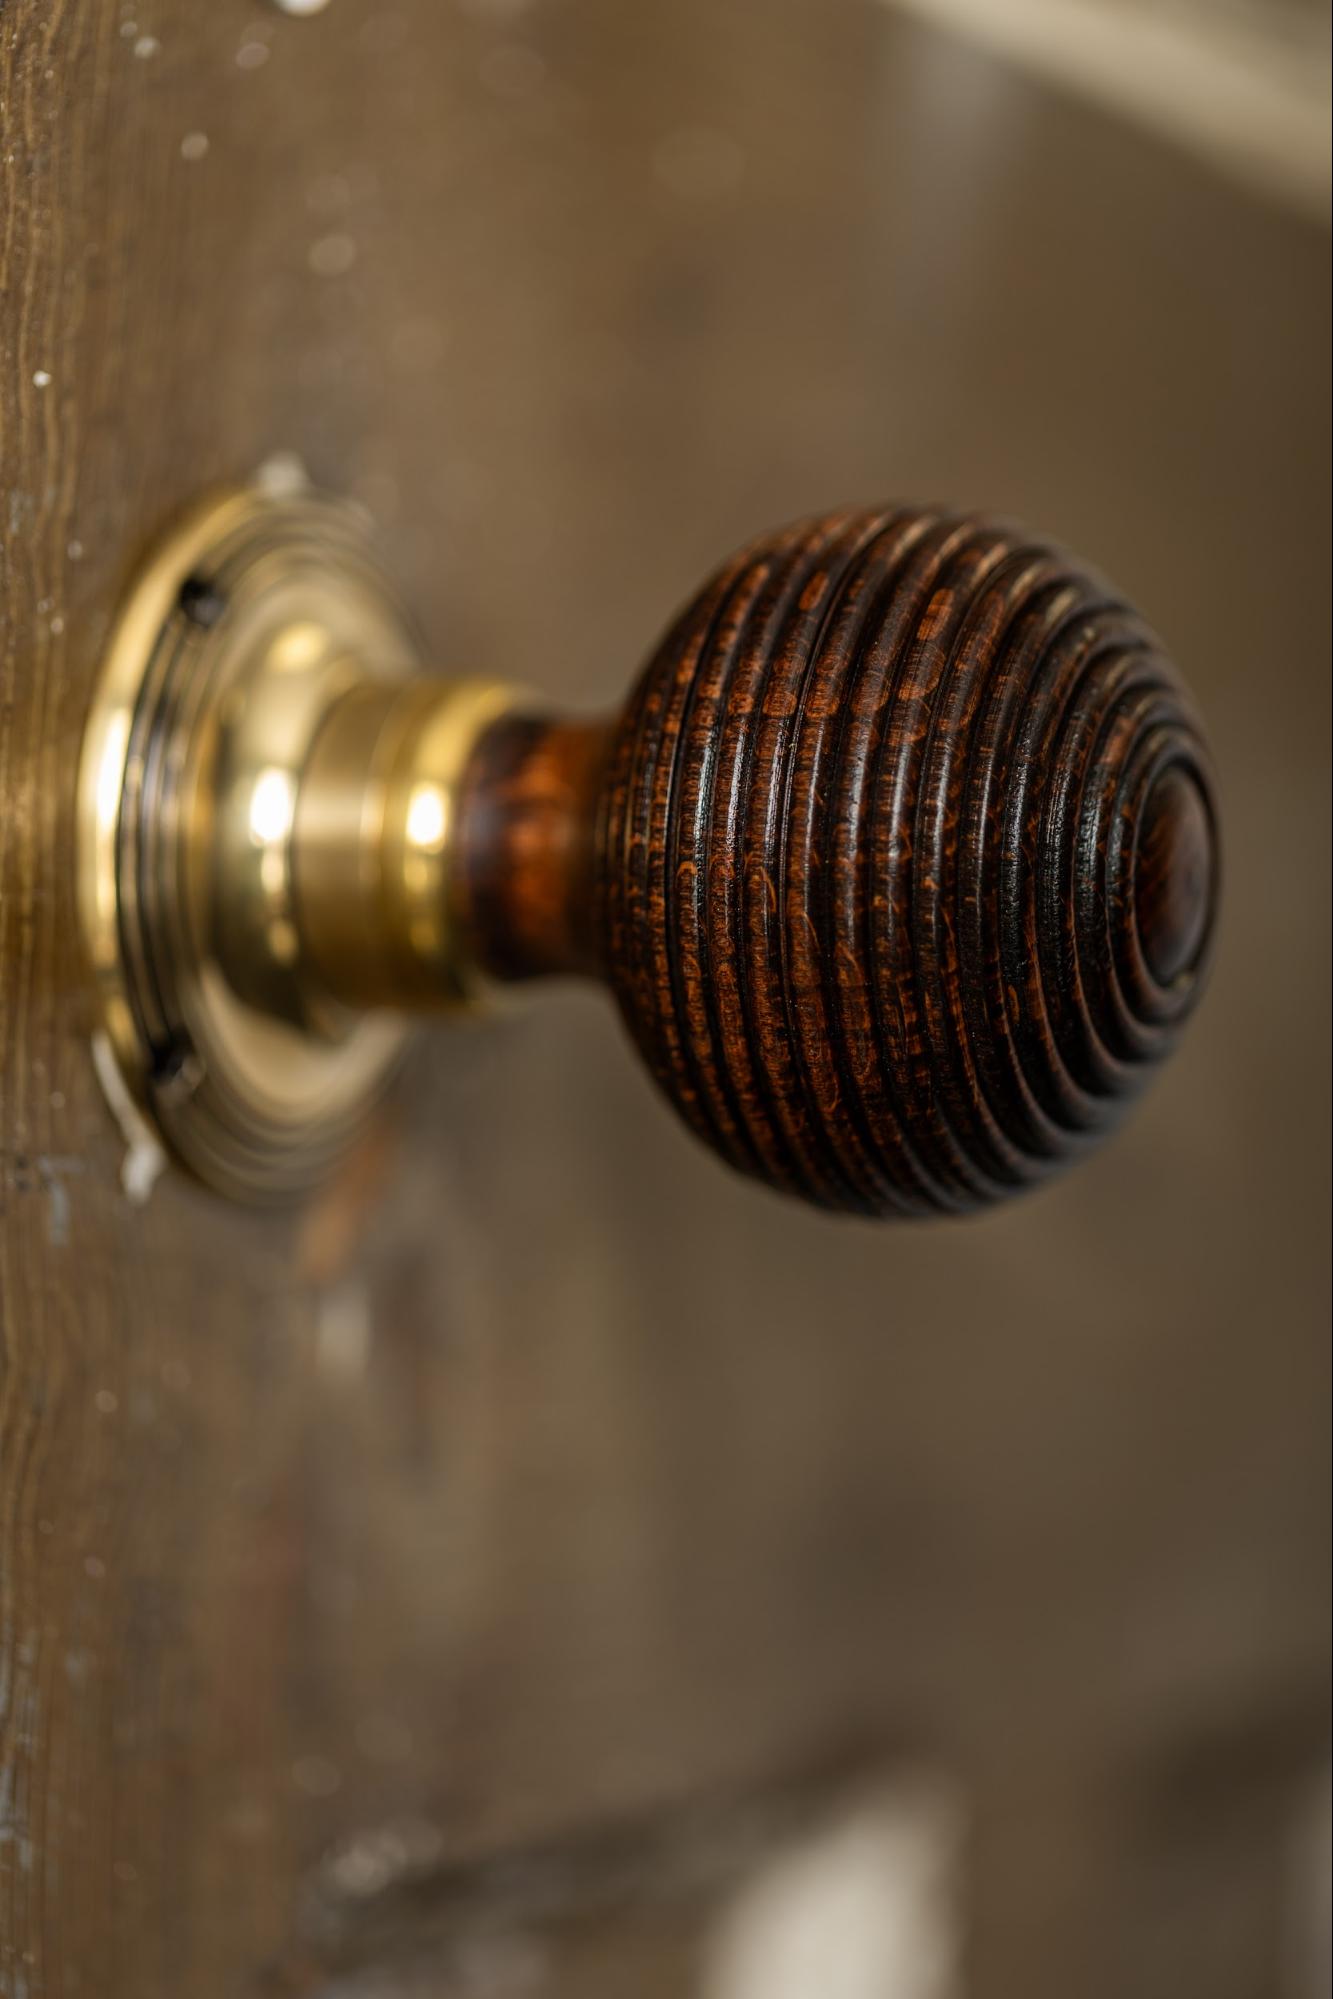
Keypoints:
pixel 266 793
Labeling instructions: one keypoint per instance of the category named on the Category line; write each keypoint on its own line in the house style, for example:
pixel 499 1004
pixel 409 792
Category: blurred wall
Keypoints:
pixel 1243 83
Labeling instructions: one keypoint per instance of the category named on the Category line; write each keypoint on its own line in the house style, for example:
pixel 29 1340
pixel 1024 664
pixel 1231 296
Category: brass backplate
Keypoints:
pixel 252 617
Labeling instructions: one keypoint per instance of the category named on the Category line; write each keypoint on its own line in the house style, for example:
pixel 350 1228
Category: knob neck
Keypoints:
pixel 527 857
pixel 375 842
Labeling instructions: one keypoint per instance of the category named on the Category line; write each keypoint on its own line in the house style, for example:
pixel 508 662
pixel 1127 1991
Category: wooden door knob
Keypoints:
pixel 900 859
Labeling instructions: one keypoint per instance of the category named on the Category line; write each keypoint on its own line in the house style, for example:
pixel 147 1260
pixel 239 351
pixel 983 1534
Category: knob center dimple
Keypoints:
pixel 1173 875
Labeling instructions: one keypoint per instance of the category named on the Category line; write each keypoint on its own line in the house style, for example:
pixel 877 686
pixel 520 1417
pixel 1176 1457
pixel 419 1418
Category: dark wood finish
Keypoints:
pixel 900 860
pixel 1173 882
pixel 527 845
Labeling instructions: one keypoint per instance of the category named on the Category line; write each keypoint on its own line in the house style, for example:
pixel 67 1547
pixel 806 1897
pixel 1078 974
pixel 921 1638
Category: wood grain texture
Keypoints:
pixel 527 848
pixel 900 860
pixel 868 860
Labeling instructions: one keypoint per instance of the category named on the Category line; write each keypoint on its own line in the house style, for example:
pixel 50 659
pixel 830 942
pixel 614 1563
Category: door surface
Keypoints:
pixel 541 1494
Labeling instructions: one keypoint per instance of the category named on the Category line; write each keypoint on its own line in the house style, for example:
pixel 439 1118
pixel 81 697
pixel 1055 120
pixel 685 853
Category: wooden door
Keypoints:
pixel 497 1555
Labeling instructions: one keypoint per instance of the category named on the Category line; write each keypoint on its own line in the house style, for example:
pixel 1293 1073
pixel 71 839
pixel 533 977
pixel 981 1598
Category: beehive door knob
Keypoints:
pixel 900 859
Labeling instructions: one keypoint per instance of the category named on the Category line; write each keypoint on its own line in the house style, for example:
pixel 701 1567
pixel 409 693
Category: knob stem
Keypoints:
pixel 375 841
pixel 527 848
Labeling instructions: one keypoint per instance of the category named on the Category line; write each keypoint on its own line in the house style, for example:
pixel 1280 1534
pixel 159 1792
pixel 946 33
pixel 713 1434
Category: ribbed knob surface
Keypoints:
pixel 905 860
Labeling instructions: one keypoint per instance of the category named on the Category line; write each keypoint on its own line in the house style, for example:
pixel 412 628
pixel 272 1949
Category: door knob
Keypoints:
pixel 900 859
